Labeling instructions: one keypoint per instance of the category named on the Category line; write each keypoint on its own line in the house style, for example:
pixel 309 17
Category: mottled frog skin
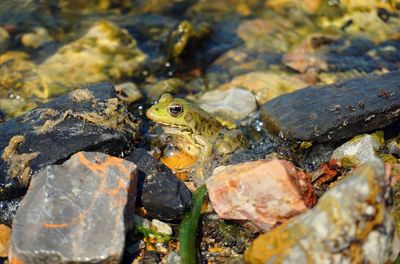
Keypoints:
pixel 194 130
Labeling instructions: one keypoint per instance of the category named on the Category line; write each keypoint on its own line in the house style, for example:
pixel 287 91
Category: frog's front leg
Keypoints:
pixel 206 148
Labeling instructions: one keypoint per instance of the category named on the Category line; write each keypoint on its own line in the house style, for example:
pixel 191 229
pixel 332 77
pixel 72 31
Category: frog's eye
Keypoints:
pixel 175 109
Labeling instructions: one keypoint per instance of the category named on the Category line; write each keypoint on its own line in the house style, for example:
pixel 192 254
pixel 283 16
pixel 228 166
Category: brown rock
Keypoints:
pixel 5 233
pixel 77 212
pixel 264 192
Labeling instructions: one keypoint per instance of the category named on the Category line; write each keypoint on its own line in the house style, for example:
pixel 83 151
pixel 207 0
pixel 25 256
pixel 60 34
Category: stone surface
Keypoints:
pixel 161 193
pixel 5 235
pixel 264 193
pixel 77 212
pixel 335 112
pixel 86 119
pixel 350 224
pixel 266 85
pixel 359 150
pixel 236 103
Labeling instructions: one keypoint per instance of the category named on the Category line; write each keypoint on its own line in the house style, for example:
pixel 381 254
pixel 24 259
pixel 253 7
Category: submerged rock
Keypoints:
pixel 350 224
pixel 92 118
pixel 335 112
pixel 161 193
pixel 76 212
pixel 226 103
pixel 266 85
pixel 104 53
pixel 263 193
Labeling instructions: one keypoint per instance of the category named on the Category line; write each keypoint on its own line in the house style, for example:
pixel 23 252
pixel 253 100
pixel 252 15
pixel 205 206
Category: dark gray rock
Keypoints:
pixel 8 209
pixel 77 212
pixel 162 194
pixel 91 119
pixel 337 111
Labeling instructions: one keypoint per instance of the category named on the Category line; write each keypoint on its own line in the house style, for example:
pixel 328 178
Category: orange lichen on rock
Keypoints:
pixel 5 233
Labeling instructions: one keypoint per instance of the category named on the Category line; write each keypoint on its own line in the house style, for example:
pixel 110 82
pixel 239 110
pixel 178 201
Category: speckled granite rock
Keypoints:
pixel 77 212
pixel 350 224
pixel 262 193
pixel 335 112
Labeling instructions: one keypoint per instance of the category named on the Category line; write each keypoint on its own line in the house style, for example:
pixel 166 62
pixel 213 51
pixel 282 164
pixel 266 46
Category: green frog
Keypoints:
pixel 195 131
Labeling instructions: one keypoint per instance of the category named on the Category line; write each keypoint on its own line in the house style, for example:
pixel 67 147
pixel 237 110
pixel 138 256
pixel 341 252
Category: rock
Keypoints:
pixel 171 85
pixel 329 58
pixel 104 53
pixel 271 34
pixel 77 212
pixel 89 118
pixel 128 92
pixel 161 193
pixel 4 40
pixel 5 235
pixel 335 112
pixel 226 102
pixel 264 193
pixel 361 149
pixel 161 227
pixel 266 85
pixel 350 224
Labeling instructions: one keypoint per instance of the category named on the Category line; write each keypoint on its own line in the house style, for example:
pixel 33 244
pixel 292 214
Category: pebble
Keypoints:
pixel 350 224
pixel 161 227
pixel 128 92
pixel 76 212
pixel 337 111
pixel 359 150
pixel 226 102
pixel 262 193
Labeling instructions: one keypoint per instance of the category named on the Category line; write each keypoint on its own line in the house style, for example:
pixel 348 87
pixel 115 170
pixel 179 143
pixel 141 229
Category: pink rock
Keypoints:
pixel 262 193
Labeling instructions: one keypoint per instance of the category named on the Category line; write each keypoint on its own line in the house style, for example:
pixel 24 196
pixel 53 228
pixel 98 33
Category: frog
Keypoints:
pixel 194 130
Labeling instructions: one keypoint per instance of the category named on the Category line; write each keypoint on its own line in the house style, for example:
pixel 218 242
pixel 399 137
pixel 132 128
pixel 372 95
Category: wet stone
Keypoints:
pixel 162 194
pixel 91 118
pixel 77 212
pixel 262 193
pixel 350 224
pixel 335 112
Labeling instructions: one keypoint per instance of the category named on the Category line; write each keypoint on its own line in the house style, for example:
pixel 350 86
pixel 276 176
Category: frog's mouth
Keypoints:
pixel 174 129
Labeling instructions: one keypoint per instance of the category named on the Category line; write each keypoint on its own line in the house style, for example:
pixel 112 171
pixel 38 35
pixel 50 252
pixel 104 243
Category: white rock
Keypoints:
pixel 236 103
pixel 358 150
pixel 161 227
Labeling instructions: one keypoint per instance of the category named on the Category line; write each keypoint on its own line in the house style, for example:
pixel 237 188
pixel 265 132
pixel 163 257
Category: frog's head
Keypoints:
pixel 171 112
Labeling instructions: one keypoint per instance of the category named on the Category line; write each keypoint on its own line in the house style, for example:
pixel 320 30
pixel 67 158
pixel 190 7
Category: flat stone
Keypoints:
pixel 89 118
pixel 162 194
pixel 335 112
pixel 77 212
pixel 263 193
pixel 350 224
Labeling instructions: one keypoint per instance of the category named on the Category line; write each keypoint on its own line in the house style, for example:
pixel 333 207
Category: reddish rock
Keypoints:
pixel 77 212
pixel 263 193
